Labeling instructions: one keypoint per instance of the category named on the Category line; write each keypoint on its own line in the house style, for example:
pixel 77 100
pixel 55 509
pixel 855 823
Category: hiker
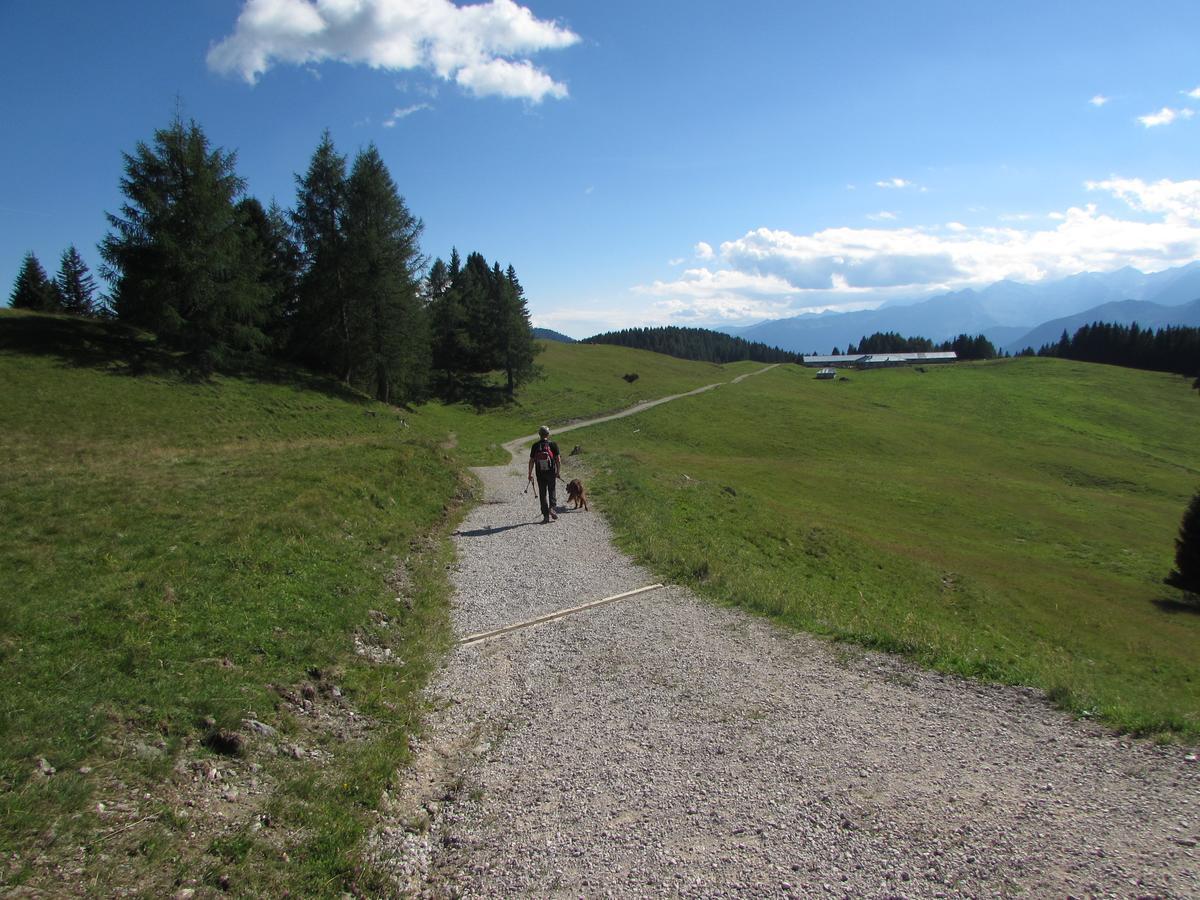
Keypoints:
pixel 544 459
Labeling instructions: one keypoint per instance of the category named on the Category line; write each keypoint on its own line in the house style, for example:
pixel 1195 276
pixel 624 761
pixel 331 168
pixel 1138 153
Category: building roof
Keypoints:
pixel 867 359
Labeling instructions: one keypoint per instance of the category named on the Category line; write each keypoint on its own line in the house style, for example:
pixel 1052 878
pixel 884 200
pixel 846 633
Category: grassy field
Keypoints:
pixel 1009 520
pixel 171 552
pixel 578 381
pixel 178 557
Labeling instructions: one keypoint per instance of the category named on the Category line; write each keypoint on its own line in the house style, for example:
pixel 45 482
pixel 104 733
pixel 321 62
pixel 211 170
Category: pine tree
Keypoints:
pixel 1186 575
pixel 437 282
pixel 178 257
pixel 389 335
pixel 474 294
pixel 269 231
pixel 32 289
pixel 448 334
pixel 76 287
pixel 321 335
pixel 519 347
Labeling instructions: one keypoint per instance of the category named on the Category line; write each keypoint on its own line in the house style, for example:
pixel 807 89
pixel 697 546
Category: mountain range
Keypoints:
pixel 1013 315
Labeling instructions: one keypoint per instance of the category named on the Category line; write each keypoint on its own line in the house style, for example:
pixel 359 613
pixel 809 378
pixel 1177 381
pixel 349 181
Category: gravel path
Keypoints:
pixel 663 746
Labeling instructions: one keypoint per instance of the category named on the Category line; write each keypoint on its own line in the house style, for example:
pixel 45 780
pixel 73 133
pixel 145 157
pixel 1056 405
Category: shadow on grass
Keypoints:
pixel 118 349
pixel 87 343
pixel 1173 605
pixel 477 391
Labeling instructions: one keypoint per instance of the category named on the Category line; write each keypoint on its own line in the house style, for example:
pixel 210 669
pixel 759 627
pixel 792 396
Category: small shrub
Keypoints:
pixel 1186 576
pixel 631 377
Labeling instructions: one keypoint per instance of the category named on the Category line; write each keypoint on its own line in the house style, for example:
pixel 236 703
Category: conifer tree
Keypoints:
pixel 270 233
pixel 447 322
pixel 1186 575
pixel 321 335
pixel 177 255
pixel 519 348
pixel 32 289
pixel 437 282
pixel 389 351
pixel 473 287
pixel 76 287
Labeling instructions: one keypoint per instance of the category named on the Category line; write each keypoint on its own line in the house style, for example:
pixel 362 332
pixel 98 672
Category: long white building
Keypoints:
pixel 868 360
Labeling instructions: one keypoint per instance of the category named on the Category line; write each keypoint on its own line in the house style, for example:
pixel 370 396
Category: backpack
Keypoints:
pixel 543 457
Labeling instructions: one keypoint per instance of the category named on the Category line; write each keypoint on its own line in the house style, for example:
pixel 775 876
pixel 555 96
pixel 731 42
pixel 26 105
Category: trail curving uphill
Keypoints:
pixel 658 745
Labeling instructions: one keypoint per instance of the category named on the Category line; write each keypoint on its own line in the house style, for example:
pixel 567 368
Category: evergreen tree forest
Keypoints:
pixel 966 346
pixel 479 323
pixel 1171 349
pixel 337 283
pixel 694 343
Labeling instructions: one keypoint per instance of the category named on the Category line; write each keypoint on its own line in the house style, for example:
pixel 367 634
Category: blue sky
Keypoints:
pixel 649 163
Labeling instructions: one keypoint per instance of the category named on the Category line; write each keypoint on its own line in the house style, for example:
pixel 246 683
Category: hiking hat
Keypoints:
pixel 543 431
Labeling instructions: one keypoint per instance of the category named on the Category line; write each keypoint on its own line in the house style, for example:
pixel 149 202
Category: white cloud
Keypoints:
pixel 1178 201
pixel 1194 93
pixel 403 113
pixel 894 183
pixel 677 261
pixel 702 295
pixel 703 250
pixel 769 273
pixel 882 216
pixel 481 47
pixel 501 78
pixel 1165 116
pixel 1098 100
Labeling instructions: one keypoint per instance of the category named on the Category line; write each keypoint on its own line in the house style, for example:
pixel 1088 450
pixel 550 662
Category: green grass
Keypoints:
pixel 1009 520
pixel 578 381
pixel 172 549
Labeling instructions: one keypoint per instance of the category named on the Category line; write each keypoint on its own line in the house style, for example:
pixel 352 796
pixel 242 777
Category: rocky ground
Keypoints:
pixel 662 746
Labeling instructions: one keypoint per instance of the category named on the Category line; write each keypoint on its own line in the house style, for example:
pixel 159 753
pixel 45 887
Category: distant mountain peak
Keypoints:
pixel 1004 308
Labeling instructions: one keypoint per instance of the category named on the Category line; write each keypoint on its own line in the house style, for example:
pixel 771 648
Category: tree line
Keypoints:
pixel 1175 348
pixel 694 343
pixel 965 345
pixel 72 290
pixel 337 282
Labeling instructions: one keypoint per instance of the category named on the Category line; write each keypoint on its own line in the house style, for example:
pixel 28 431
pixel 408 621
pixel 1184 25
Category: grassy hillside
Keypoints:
pixel 578 381
pixel 182 558
pixel 1011 520
pixel 179 558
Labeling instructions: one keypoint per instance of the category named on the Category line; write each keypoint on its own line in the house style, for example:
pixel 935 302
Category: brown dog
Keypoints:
pixel 576 494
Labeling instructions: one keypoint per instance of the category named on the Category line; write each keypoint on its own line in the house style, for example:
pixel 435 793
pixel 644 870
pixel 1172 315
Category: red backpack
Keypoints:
pixel 543 456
